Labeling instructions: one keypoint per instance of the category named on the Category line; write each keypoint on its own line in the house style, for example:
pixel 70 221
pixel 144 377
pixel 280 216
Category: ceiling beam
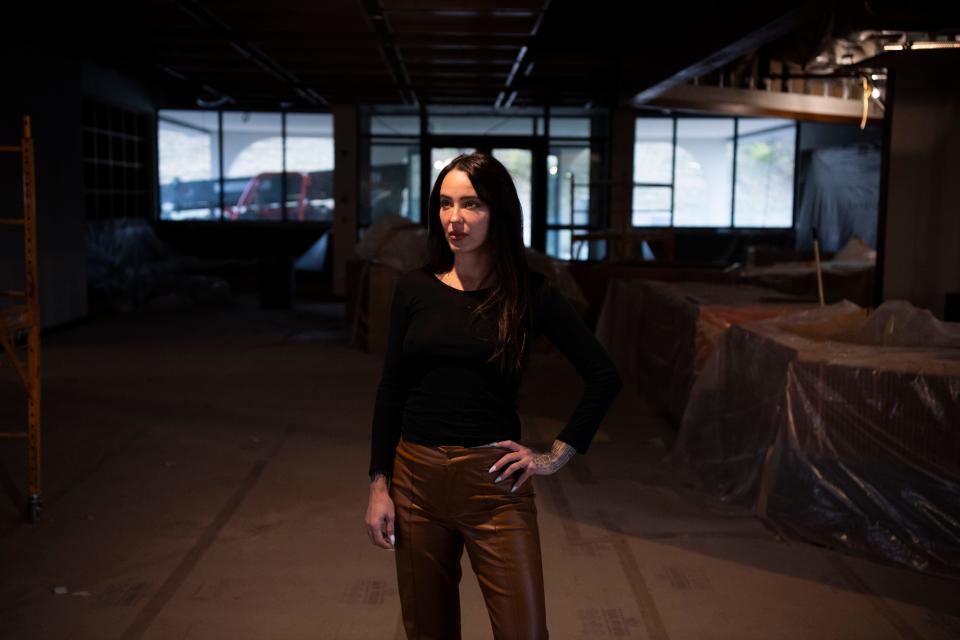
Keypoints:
pixel 202 16
pixel 373 10
pixel 736 49
pixel 508 94
pixel 755 102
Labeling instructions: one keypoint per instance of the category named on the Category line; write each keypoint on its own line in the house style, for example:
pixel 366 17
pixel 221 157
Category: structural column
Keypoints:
pixel 345 176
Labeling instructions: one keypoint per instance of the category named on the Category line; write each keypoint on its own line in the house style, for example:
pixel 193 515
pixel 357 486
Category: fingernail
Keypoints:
pixel 497 479
pixel 492 469
pixel 512 488
pixel 393 539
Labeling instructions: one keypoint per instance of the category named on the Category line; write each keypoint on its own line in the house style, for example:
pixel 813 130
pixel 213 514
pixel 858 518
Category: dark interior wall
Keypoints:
pixel 725 246
pixel 51 89
pixel 114 88
pixel 921 250
pixel 240 240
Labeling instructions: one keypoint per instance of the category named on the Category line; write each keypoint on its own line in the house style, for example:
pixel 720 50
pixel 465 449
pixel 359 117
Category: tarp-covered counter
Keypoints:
pixel 662 333
pixel 841 428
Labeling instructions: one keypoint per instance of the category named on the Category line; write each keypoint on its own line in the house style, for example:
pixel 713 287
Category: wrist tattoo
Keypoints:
pixel 380 474
pixel 558 456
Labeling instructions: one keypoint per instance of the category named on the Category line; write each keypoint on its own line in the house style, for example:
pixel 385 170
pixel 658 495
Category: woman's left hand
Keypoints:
pixel 532 462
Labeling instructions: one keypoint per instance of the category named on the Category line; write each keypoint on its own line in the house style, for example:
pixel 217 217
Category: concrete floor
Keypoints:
pixel 206 478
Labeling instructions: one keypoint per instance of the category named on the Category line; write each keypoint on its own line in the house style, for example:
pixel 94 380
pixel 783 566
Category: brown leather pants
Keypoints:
pixel 445 499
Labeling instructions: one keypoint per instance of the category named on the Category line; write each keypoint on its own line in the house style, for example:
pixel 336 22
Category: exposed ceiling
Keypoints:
pixel 312 54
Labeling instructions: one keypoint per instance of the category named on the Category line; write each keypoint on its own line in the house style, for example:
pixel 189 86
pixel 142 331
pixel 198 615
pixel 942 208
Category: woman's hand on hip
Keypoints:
pixel 532 462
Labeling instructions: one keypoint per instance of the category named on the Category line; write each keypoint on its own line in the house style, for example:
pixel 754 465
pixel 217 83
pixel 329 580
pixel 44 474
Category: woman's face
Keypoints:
pixel 463 216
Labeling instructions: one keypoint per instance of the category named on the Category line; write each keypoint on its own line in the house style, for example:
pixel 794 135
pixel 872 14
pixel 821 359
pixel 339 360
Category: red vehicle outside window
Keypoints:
pixel 262 197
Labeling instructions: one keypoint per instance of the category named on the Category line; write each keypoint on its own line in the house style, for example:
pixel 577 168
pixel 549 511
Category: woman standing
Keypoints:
pixel 447 470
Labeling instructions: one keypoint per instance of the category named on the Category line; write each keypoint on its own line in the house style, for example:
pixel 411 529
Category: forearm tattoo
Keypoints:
pixel 551 461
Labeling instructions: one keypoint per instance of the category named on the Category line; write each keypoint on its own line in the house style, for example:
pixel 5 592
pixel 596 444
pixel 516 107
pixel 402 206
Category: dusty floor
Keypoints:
pixel 206 478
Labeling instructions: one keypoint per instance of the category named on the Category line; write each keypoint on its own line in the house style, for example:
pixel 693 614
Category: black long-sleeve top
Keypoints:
pixel 436 387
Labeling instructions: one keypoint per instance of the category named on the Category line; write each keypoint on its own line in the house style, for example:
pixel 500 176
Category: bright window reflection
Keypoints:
pixel 189 165
pixel 765 166
pixel 255 157
pixel 684 172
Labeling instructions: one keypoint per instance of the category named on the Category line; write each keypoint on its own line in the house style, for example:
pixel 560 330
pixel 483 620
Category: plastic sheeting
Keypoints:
pixel 129 267
pixel 834 435
pixel 843 279
pixel 841 197
pixel 661 334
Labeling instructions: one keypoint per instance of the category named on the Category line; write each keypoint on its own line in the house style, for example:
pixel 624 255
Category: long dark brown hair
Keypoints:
pixel 509 299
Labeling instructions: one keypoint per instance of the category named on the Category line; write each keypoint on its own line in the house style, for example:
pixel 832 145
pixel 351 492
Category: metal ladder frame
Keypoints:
pixel 22 320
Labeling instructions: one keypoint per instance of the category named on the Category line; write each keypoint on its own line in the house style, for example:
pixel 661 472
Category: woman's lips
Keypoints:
pixel 456 236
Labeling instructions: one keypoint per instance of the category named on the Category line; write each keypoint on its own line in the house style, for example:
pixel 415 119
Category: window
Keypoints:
pixel 519 162
pixel 765 168
pixel 116 166
pixel 394 125
pixel 568 205
pixel 480 125
pixel 309 166
pixel 653 172
pixel 571 174
pixel 252 166
pixel 713 172
pixel 392 184
pixel 703 173
pixel 569 127
pixel 189 152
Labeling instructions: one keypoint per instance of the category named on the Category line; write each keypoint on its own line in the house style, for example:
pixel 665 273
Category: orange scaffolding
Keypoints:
pixel 20 323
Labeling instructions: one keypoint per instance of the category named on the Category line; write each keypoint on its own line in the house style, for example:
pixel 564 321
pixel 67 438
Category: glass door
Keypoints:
pixel 519 162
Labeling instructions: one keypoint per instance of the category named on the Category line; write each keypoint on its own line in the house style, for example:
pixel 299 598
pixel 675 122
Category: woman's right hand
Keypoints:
pixel 380 517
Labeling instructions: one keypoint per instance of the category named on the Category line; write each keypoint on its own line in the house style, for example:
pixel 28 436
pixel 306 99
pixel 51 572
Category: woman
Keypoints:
pixel 447 469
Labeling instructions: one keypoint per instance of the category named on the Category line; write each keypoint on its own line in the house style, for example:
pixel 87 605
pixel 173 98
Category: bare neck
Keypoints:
pixel 470 272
